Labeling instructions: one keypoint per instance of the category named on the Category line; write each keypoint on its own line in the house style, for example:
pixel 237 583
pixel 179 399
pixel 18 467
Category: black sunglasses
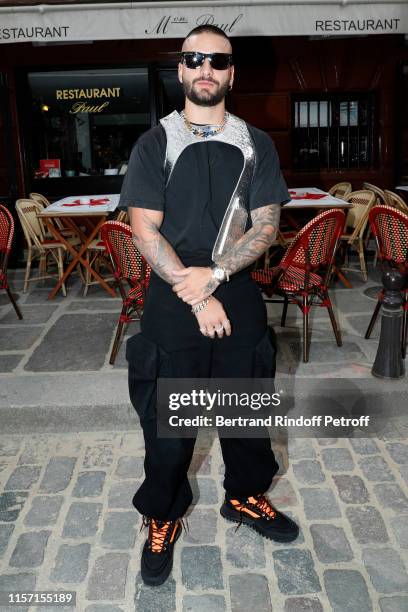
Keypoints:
pixel 195 59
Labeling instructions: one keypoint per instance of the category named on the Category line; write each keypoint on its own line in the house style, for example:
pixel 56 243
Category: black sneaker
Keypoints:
pixel 157 555
pixel 258 513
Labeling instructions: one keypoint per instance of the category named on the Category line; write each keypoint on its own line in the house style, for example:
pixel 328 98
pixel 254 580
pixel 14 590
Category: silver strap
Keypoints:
pixel 235 133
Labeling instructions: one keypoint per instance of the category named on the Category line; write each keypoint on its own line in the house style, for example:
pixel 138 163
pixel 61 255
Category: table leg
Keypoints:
pixel 82 250
pixel 77 255
pixel 341 276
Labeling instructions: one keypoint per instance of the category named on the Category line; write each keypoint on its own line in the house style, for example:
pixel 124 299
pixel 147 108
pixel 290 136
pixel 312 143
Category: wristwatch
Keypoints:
pixel 219 274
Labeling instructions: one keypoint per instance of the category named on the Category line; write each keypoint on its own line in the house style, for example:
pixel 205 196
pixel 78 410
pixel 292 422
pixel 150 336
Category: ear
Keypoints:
pixel 231 79
pixel 180 72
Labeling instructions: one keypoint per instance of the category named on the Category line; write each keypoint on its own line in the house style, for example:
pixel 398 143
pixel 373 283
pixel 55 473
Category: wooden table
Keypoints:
pixel 76 212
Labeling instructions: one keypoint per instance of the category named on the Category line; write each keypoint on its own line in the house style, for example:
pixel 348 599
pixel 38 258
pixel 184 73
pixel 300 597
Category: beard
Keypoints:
pixel 204 97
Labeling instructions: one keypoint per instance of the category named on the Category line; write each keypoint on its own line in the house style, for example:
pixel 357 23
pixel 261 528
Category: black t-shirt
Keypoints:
pixel 200 186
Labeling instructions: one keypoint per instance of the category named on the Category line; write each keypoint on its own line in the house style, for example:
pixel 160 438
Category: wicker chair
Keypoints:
pixel 41 199
pixel 38 243
pixel 393 199
pixel 44 202
pixel 303 274
pixel 390 229
pixel 97 257
pixel 381 197
pixel 340 190
pixel 130 269
pixel 356 224
pixel 6 239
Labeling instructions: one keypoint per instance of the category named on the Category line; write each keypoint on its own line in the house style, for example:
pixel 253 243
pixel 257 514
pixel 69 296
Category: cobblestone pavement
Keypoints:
pixel 66 519
pixel 66 522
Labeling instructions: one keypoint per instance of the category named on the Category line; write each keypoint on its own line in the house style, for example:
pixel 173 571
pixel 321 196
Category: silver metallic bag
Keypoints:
pixel 234 133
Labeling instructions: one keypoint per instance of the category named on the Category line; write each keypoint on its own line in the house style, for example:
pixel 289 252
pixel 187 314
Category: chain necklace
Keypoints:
pixel 204 131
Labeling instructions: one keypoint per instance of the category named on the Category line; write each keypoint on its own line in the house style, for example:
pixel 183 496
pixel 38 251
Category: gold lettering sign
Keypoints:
pixel 81 107
pixel 88 93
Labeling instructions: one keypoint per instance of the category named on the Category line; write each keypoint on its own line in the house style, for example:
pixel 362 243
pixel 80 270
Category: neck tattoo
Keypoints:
pixel 204 131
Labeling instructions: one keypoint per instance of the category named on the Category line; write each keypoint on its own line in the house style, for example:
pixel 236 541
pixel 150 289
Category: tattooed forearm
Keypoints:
pixel 154 247
pixel 265 224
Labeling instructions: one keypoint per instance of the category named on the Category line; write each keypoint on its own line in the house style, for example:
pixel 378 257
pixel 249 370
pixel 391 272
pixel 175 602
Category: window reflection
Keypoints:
pixel 85 122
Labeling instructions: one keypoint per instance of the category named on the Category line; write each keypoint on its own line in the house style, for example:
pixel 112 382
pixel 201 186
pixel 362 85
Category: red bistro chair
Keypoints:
pixel 131 269
pixel 304 272
pixel 390 229
pixel 6 238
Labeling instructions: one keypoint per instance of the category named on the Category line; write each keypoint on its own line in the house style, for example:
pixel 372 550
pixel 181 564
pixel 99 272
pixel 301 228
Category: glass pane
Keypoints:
pixel 313 117
pixel 344 113
pixel 171 96
pixel 349 113
pixel 325 118
pixel 303 118
pixel 353 113
pixel 85 122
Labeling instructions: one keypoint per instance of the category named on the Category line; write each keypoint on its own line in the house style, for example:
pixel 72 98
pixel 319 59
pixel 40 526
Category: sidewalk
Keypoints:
pixel 71 457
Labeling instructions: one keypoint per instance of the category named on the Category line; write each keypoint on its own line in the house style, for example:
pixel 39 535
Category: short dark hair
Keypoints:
pixel 207 28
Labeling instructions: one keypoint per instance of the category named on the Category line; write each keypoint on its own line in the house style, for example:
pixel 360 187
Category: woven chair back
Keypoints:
pixel 340 190
pixel 390 228
pixel 33 228
pixel 6 230
pixel 357 216
pixel 41 199
pixel 128 261
pixel 123 217
pixel 393 199
pixel 381 197
pixel 315 244
pixel 6 237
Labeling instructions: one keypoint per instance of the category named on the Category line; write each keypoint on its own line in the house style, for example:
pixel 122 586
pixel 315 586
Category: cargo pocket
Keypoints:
pixel 147 360
pixel 265 356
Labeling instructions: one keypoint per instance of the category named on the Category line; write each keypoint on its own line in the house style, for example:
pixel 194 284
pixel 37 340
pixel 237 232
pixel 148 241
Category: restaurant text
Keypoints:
pixel 34 32
pixel 357 25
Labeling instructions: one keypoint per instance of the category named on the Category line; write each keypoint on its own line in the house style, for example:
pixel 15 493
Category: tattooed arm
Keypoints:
pixel 164 261
pixel 197 283
pixel 153 246
pixel 265 225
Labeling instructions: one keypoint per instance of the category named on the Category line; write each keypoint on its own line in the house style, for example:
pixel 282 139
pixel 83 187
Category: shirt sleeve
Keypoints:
pixel 268 185
pixel 144 182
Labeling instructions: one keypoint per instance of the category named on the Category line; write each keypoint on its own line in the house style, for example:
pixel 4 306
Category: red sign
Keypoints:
pixel 46 164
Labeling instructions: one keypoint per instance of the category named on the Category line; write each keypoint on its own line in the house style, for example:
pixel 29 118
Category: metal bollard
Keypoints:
pixel 388 361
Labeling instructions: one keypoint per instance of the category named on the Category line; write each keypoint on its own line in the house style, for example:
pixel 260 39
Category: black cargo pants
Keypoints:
pixel 171 345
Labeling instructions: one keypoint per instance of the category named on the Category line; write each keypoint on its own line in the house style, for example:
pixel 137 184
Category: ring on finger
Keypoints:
pixel 219 329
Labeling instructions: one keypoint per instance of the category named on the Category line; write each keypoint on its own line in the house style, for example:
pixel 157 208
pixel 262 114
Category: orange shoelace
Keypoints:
pixel 264 505
pixel 162 532
pixel 158 532
pixel 260 503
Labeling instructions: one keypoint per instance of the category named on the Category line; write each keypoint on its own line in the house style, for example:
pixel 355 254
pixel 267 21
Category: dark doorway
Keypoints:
pixel 402 127
pixel 8 171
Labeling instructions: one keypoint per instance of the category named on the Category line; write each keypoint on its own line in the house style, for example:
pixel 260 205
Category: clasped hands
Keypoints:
pixel 196 284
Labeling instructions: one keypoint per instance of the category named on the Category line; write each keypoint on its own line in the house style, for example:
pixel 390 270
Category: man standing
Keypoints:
pixel 186 181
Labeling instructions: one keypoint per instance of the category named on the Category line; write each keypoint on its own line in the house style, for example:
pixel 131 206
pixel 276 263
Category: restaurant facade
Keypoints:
pixel 79 83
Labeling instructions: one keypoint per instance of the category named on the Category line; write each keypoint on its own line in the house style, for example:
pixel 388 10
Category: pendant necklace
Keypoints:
pixel 204 131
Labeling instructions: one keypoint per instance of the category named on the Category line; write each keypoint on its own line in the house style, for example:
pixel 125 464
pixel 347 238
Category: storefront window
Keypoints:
pixel 334 132
pixel 85 122
pixel 170 92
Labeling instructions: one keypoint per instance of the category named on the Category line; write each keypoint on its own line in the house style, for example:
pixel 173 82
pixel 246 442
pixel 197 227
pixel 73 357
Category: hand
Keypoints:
pixel 195 284
pixel 213 320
